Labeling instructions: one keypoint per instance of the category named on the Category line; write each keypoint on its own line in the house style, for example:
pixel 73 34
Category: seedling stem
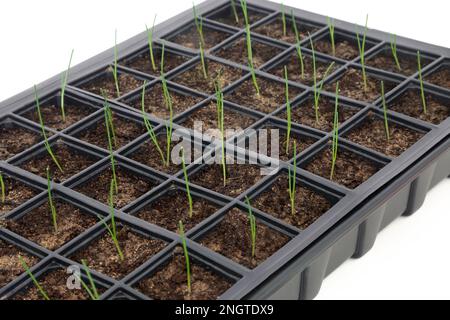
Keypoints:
pixel 334 146
pixel 283 18
pixel 288 109
pixel 33 278
pixel 221 127
pixel 331 30
pixel 394 51
pixel 186 255
pixel 422 91
pixel 292 178
pixel 233 7
pixel 186 181
pixel 115 73
pixel 64 79
pixel 2 184
pixel 198 24
pixel 362 51
pixel 386 124
pixel 298 47
pixel 150 43
pixel 50 200
pixel 252 220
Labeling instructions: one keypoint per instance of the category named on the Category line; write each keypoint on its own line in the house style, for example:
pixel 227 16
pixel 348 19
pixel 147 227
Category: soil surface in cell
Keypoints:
pixel 70 159
pixel 194 78
pixel 410 103
pixel 155 104
pixel 386 61
pixel 237 52
pixel 14 140
pixel 351 170
pixel 38 226
pixel 308 205
pixel 143 62
pixel 232 238
pixel 239 177
pixel 275 30
pixel 227 17
pixel 10 265
pixel 351 85
pixel 16 193
pixel 372 134
pixel 305 114
pixel 124 132
pixel 345 49
pixel 441 77
pixel 169 281
pixel 130 187
pixel 105 83
pixel 101 254
pixel 272 95
pixel 167 210
pixel 191 39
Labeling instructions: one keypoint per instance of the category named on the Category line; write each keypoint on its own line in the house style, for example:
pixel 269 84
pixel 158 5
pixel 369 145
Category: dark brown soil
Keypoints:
pixel 106 83
pixel 16 193
pixel 37 225
pixel 410 103
pixel 54 285
pixel 143 62
pixel 306 115
pixel 351 85
pixel 372 134
pixel 101 254
pixel 385 61
pixel 309 206
pixel 345 49
pixel 130 186
pixel 10 265
pixel 295 71
pixel 170 281
pixel 232 238
pixel 272 95
pixel 227 17
pixel 52 116
pixel 155 104
pixel 351 170
pixel 71 160
pixel 441 77
pixel 14 140
pixel 173 206
pixel 195 79
pixel 237 52
pixel 191 39
pixel 208 115
pixel 125 131
pixel 274 30
pixel 240 177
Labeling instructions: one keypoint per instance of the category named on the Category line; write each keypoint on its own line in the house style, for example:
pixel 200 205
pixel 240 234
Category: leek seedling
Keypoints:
pixel 394 51
pixel 64 79
pixel 331 30
pixel 386 124
pixel 298 47
pixel 2 184
pixel 283 20
pixel 318 90
pixel 292 180
pixel 169 105
pixel 422 91
pixel 186 255
pixel 92 292
pixel 221 127
pixel 199 25
pixel 186 181
pixel 288 110
pixel 109 134
pixel 252 221
pixel 150 43
pixel 249 46
pixel 334 146
pixel 362 51
pixel 112 230
pixel 149 127
pixel 50 200
pixel 233 8
pixel 33 278
pixel 41 122
pixel 115 73
pixel 202 59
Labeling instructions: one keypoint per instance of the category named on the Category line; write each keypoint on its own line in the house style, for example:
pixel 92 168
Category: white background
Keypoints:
pixel 410 260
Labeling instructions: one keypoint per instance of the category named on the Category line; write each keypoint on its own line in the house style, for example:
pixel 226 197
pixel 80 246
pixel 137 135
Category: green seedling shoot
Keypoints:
pixel 331 30
pixel 362 52
pixel 33 278
pixel 115 72
pixel 64 79
pixel 44 134
pixel 252 221
pixel 202 59
pixel 186 182
pixel 186 255
pixel 422 90
pixel 334 146
pixel 233 8
pixel 149 127
pixel 110 135
pixel 92 291
pixel 221 127
pixel 283 20
pixel 2 184
pixel 298 46
pixel 386 124
pixel 288 110
pixel 249 46
pixel 292 180
pixel 50 200
pixel 394 51
pixel 169 105
pixel 199 25
pixel 150 44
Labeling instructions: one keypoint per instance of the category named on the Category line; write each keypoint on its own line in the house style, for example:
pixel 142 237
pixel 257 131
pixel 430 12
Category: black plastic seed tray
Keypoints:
pixel 295 271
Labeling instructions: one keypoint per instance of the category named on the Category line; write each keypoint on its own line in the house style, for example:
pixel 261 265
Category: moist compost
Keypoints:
pixel 232 238
pixel 227 16
pixel 143 62
pixel 345 49
pixel 441 77
pixel 169 282
pixel 105 84
pixel 274 30
pixel 101 254
pixel 385 61
pixel 191 39
pixel 16 193
pixel 372 134
pixel 14 140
